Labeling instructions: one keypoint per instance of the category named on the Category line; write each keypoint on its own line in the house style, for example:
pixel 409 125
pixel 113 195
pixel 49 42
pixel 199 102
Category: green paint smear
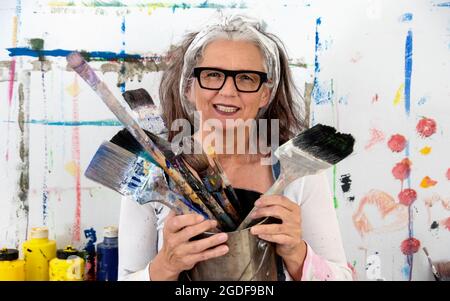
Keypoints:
pixel 104 4
pixel 335 200
pixel 36 44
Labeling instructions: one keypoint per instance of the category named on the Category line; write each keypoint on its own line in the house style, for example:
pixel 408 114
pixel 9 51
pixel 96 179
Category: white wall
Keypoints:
pixel 360 55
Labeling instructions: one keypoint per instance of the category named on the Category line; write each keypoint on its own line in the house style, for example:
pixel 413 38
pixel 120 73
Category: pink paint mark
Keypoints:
pixel 375 98
pixel 407 196
pixel 426 127
pixel 427 182
pixel 397 143
pixel 446 223
pixel 402 170
pixel 448 174
pixel 410 246
pixel 12 71
pixel 389 210
pixel 376 136
pixel 76 158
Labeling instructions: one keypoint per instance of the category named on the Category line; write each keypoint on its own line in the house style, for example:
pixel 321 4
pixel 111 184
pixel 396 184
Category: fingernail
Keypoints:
pixel 223 237
pixel 257 203
pixel 199 218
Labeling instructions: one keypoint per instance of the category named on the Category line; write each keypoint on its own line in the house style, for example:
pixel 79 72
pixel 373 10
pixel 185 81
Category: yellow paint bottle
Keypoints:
pixel 11 267
pixel 38 251
pixel 67 266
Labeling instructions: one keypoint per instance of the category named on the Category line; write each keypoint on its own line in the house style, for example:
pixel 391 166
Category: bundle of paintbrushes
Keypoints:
pixel 156 150
pixel 309 153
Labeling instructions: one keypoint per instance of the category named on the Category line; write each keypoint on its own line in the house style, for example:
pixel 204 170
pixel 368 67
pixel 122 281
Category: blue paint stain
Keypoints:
pixel 422 101
pixel 122 69
pixel 106 55
pixel 406 17
pixel 91 236
pixel 408 70
pixel 443 4
pixel 319 94
pixel 77 123
pixel 406 271
pixel 90 254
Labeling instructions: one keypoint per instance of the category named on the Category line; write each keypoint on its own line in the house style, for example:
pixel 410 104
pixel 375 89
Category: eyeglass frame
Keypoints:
pixel 198 70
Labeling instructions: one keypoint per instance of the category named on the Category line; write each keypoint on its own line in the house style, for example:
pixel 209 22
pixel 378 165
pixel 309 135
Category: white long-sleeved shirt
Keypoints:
pixel 141 233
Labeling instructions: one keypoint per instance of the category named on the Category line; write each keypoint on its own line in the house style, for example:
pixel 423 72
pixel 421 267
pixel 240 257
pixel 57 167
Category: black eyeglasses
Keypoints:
pixel 244 80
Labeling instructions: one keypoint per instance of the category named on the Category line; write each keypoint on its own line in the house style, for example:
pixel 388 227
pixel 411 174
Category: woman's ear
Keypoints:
pixel 265 96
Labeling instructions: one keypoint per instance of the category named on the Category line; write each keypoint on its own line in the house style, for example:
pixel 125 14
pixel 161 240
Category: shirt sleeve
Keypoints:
pixel 137 240
pixel 325 257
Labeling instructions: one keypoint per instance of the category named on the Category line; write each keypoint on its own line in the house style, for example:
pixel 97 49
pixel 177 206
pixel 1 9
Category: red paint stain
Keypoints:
pixel 12 71
pixel 407 196
pixel 446 223
pixel 375 98
pixel 426 127
pixel 397 143
pixel 76 158
pixel 448 174
pixel 402 170
pixel 376 136
pixel 410 246
pixel 427 182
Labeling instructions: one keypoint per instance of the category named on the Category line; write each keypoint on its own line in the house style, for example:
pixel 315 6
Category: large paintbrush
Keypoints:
pixel 123 113
pixel 310 152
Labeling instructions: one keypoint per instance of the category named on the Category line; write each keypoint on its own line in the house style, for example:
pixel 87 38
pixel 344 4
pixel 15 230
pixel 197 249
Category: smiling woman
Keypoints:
pixel 232 71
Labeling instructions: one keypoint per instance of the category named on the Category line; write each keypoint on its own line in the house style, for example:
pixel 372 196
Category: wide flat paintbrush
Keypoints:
pixel 77 63
pixel 134 176
pixel 310 152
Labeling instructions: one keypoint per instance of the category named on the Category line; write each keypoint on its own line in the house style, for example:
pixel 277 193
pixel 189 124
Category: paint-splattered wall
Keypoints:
pixel 379 69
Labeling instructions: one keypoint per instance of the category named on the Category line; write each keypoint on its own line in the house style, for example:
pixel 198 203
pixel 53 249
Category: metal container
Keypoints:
pixel 249 259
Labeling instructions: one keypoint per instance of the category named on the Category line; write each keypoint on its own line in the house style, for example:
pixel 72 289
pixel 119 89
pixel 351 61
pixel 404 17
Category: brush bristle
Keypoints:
pixel 323 142
pixel 138 98
pixel 110 165
pixel 199 162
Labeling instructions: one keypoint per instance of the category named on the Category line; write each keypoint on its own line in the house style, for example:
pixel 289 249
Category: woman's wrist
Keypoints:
pixel 159 271
pixel 294 262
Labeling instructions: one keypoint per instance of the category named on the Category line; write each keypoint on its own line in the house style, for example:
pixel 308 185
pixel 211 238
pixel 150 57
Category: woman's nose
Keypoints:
pixel 228 88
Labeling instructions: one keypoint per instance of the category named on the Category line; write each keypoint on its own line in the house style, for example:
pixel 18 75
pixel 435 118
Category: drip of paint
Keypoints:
pixel 407 196
pixel 410 246
pixel 398 94
pixel 402 170
pixel 397 143
pixel 427 182
pixel 446 223
pixel 375 98
pixel 425 150
pixel 448 174
pixel 426 127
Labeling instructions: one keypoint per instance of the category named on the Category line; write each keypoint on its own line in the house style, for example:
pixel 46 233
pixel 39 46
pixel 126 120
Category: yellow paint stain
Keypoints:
pixel 73 89
pixel 426 150
pixel 14 32
pixel 151 7
pixel 399 94
pixel 427 182
pixel 59 3
pixel 72 168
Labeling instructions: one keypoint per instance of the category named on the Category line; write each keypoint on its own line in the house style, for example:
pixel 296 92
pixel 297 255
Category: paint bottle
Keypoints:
pixel 108 255
pixel 38 251
pixel 89 254
pixel 67 266
pixel 11 267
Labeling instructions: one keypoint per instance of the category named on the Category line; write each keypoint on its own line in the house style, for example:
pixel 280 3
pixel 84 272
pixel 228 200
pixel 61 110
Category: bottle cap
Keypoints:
pixel 67 252
pixel 110 232
pixel 39 232
pixel 8 254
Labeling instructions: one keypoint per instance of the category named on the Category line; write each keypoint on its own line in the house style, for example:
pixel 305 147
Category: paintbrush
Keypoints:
pixel 194 156
pixel 131 175
pixel 310 152
pixel 149 115
pixel 435 272
pixel 124 139
pixel 79 65
pixel 229 190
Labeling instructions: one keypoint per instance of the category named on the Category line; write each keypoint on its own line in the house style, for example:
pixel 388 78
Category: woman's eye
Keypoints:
pixel 214 74
pixel 245 77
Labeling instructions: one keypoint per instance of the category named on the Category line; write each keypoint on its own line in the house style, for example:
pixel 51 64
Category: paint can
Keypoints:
pixel 108 255
pixel 67 266
pixel 249 259
pixel 11 267
pixel 38 251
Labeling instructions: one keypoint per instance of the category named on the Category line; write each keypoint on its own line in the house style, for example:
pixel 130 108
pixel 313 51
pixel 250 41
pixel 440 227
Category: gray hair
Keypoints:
pixel 236 28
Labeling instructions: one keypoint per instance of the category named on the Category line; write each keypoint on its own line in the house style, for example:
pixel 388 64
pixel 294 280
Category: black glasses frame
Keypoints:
pixel 232 73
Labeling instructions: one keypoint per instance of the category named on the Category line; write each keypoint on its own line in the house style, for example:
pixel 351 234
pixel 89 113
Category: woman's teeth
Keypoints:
pixel 226 109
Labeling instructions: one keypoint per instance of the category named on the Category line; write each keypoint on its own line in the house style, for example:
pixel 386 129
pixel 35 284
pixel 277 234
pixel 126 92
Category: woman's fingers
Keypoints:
pixel 218 251
pixel 274 211
pixel 201 245
pixel 272 229
pixel 194 230
pixel 271 200
pixel 176 223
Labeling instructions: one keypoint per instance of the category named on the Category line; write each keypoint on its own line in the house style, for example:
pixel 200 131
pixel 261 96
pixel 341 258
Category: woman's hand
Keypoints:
pixel 287 235
pixel 178 253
